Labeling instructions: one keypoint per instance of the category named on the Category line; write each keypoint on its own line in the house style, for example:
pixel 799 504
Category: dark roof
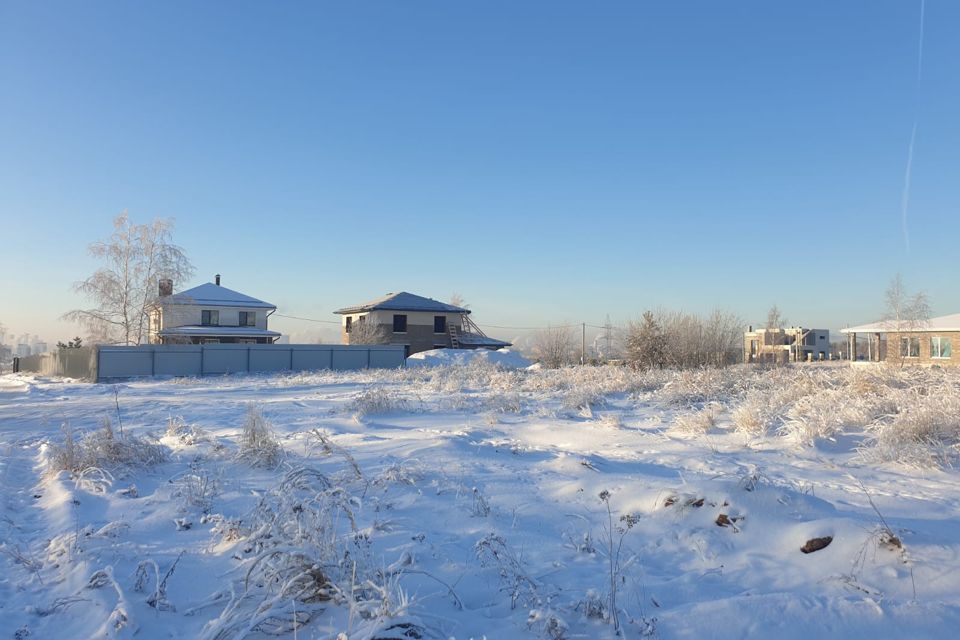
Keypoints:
pixel 403 301
pixel 215 296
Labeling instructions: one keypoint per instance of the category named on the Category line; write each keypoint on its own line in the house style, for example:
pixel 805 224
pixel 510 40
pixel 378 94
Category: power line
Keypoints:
pixel 487 326
pixel 280 315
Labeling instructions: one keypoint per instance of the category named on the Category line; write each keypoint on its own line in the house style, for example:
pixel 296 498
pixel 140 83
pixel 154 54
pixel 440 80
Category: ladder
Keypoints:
pixel 454 338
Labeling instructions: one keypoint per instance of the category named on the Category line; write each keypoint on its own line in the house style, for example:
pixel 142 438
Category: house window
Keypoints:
pixel 940 347
pixel 439 324
pixel 209 318
pixel 349 324
pixel 248 318
pixel 399 323
pixel 210 340
pixel 909 347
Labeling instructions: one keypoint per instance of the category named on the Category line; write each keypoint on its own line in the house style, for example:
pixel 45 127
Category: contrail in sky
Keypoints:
pixel 905 195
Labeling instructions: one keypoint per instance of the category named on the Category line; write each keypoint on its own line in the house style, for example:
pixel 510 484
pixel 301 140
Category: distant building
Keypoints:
pixel 418 323
pixel 207 314
pixel 778 346
pixel 22 350
pixel 928 343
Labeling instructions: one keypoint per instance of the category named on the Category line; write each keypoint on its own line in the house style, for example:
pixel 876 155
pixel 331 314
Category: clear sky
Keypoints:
pixel 551 161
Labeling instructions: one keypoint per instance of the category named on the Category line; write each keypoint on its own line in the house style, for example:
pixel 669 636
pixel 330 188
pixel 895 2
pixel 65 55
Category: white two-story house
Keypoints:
pixel 209 313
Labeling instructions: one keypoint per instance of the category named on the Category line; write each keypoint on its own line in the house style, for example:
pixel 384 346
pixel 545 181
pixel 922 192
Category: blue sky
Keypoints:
pixel 551 161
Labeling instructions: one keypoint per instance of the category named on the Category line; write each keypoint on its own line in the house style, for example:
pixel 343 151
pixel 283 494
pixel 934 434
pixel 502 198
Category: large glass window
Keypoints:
pixel 349 324
pixel 909 347
pixel 209 317
pixel 399 323
pixel 439 324
pixel 248 318
pixel 940 347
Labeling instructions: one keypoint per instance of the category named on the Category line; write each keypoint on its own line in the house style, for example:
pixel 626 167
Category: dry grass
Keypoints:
pixel 103 449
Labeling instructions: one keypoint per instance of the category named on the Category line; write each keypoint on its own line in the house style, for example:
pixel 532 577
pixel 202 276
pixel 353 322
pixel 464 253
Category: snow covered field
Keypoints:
pixel 471 501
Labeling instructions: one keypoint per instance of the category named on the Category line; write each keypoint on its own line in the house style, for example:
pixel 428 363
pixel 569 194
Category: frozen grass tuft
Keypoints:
pixel 924 433
pixel 103 449
pixel 259 446
pixel 375 400
pixel 698 422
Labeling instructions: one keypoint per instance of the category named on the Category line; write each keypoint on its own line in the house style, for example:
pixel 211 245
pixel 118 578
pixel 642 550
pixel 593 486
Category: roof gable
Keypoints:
pixel 403 301
pixel 217 296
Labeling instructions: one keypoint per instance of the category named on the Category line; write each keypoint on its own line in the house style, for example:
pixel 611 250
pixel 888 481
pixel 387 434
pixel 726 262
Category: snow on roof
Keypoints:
pixel 403 301
pixel 475 340
pixel 209 330
pixel 218 296
pixel 940 323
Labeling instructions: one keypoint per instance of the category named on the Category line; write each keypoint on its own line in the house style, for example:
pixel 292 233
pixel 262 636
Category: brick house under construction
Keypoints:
pixel 417 323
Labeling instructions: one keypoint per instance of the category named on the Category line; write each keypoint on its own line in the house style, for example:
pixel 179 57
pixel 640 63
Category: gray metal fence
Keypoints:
pixel 69 363
pixel 111 363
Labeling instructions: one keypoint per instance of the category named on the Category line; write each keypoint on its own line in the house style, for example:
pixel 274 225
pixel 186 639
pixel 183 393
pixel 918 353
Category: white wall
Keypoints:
pixel 185 315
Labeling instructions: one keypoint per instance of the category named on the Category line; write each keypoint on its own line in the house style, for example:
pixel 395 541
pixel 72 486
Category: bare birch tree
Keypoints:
pixel 554 347
pixel 135 257
pixel 775 319
pixel 904 314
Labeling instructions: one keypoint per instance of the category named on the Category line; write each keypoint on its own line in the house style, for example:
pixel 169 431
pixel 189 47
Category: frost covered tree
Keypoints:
pixel 554 347
pixel 135 257
pixel 905 313
pixel 363 332
pixel 646 343
pixel 723 338
pixel 457 300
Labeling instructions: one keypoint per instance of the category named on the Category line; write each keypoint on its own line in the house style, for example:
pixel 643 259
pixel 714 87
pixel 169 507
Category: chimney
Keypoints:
pixel 166 287
pixel 216 279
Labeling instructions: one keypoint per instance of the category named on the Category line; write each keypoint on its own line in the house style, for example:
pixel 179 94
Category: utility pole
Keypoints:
pixel 583 343
pixel 608 338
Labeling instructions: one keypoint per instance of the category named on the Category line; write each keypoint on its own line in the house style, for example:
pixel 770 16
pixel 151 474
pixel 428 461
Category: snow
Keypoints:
pixel 216 295
pixel 465 502
pixel 940 323
pixel 505 358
